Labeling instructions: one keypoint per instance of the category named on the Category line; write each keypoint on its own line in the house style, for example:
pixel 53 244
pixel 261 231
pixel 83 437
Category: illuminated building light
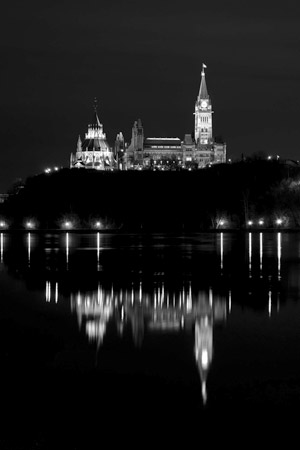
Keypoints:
pixel 56 169
pixel 250 222
pixel 29 224
pixel 3 224
pixel 222 222
pixel 68 224
pixel 279 221
pixel 269 157
pixel 260 222
pixel 97 224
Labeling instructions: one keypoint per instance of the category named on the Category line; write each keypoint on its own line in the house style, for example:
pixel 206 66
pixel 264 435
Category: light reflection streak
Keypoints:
pixel 48 291
pixel 56 292
pixel 229 302
pixel 250 253
pixel 279 253
pixel 67 250
pixel 29 247
pixel 210 296
pixel 270 304
pixel 260 253
pixel 98 251
pixel 221 250
pixel 1 247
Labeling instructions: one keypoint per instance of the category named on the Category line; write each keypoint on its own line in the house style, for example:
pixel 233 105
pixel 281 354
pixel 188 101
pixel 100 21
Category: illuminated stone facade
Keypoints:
pixel 165 153
pixel 94 152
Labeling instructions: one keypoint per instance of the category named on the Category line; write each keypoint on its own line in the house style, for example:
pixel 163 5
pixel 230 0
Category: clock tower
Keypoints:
pixel 203 114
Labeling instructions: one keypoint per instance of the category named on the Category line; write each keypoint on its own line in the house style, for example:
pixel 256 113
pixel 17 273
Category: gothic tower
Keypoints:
pixel 203 114
pixel 138 135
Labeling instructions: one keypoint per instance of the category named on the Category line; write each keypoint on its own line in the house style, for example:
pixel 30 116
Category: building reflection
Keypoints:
pixel 144 290
pixel 159 311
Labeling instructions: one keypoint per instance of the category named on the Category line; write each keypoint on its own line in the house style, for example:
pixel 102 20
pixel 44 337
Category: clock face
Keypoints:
pixel 204 104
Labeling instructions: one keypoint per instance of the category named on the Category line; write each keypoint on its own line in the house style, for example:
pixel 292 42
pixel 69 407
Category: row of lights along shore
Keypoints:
pixel 31 225
pixel 251 223
pixel 68 225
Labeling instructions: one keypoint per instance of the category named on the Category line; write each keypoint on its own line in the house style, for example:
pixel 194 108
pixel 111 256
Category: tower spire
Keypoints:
pixel 95 104
pixel 96 118
pixel 203 93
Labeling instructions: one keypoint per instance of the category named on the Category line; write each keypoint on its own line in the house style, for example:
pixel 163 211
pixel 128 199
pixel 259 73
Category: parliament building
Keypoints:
pixel 195 151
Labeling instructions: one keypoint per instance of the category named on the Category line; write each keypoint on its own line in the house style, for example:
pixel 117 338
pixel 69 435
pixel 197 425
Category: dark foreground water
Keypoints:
pixel 128 338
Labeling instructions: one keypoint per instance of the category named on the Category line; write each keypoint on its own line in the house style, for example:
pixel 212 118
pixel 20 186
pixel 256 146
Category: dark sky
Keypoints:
pixel 143 59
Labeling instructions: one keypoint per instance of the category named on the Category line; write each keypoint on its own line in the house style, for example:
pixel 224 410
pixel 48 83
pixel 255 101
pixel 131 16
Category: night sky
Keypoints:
pixel 142 59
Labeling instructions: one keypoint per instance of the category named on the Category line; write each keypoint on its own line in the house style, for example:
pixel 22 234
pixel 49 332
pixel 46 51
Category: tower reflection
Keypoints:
pixel 203 349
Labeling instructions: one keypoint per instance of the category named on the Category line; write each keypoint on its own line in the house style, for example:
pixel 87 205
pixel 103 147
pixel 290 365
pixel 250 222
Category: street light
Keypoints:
pixel 67 224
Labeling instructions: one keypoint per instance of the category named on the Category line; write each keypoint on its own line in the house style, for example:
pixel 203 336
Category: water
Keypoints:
pixel 134 331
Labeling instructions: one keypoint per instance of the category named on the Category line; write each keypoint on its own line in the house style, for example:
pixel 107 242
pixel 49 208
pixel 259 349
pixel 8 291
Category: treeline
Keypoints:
pixel 225 195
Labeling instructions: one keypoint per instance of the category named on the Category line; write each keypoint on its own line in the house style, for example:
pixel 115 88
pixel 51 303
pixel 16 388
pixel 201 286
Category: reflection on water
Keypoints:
pixel 187 288
pixel 156 312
